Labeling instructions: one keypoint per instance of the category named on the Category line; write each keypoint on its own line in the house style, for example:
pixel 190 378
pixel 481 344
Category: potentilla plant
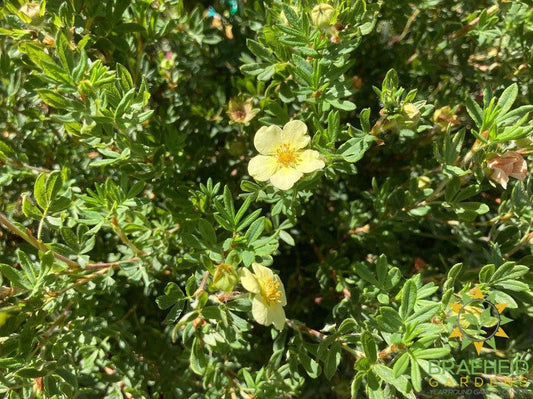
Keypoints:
pixel 265 199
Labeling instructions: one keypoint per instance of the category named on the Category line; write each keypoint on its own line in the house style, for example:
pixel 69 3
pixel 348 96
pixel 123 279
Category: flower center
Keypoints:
pixel 239 114
pixel 286 154
pixel 270 291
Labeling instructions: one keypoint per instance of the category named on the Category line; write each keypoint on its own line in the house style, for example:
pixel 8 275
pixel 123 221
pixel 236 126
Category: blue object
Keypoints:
pixel 211 12
pixel 234 6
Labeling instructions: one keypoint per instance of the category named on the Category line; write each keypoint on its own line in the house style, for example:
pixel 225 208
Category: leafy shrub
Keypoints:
pixel 264 199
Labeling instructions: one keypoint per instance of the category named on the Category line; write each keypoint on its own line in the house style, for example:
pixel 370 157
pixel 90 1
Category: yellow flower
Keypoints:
pixel 269 295
pixel 282 159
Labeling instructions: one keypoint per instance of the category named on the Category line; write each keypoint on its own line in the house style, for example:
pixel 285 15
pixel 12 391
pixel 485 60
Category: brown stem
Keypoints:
pixel 42 247
pixel 468 27
pixel 303 328
pixel 202 284
pixel 33 241
pixel 317 334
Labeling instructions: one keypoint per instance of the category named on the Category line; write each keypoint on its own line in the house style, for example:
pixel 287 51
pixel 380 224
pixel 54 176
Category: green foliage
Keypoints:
pixel 128 213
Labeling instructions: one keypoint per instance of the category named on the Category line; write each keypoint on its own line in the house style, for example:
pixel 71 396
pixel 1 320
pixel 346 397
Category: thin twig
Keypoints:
pixel 202 284
pixel 43 248
pixel 468 27
pixel 317 334
pixel 36 243
pixel 108 264
pixel 19 164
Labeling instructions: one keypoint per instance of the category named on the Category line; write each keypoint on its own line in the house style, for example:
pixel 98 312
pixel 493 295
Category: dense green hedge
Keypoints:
pixel 265 199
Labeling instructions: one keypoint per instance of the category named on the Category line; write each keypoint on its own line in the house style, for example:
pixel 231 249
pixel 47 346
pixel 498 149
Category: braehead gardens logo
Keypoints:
pixel 478 320
pixel 475 320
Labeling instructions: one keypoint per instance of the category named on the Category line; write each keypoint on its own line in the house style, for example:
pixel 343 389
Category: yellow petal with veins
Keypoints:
pixel 309 161
pixel 260 311
pixel 268 139
pixel 295 134
pixel 277 315
pixel 249 282
pixel 262 167
pixel 285 178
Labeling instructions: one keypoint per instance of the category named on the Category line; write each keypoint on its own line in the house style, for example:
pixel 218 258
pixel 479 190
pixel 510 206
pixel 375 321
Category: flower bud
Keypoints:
pixel 445 116
pixel 225 278
pixel 323 15
pixel 411 112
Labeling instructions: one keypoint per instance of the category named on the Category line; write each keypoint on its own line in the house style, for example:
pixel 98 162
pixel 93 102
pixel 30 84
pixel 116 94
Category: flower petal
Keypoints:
pixel 285 178
pixel 268 139
pixel 519 170
pixel 295 134
pixel 262 272
pixel 277 316
pixel 249 282
pixel 309 161
pixel 499 176
pixel 260 312
pixel 262 167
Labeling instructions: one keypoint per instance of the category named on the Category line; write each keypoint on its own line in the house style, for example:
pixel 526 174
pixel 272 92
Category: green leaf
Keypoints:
pixel 408 299
pixel 416 377
pixel 26 264
pixel 389 319
pixel 310 365
pixel 70 238
pixel 287 238
pixel 507 98
pixel 290 14
pixel 424 314
pixel 255 230
pixel 370 347
pixel 244 207
pixel 333 358
pixel 31 372
pixel 347 326
pixel 228 203
pixel 249 219
pixel 364 272
pixel 30 210
pixel 53 184
pixel 39 191
pixel 400 365
pixel 259 51
pixel 344 105
pixel 512 285
pixel 124 76
pixel 16 277
pixel 354 149
pixel 54 99
pixel 173 296
pixel 365 120
pixel 432 353
pixel 64 52
pixel 206 231
pixel 386 374
pixel 475 111
pixel 333 126
pixel 197 360
pixel 390 81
